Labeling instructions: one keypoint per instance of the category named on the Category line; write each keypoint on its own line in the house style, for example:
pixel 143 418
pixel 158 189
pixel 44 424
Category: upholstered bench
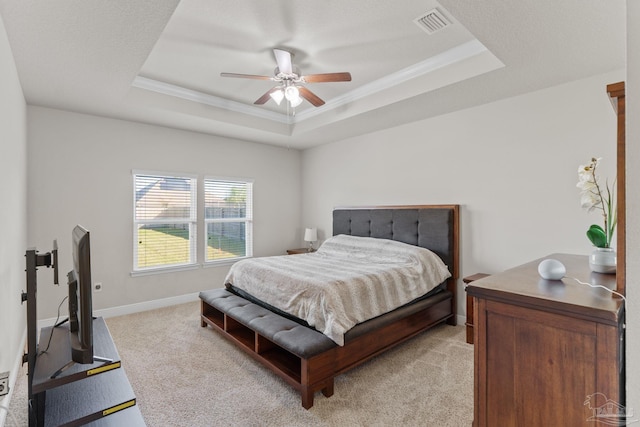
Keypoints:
pixel 291 336
pixel 292 351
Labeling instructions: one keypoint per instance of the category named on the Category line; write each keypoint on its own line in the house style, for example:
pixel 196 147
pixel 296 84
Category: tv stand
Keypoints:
pixel 55 386
pixel 77 393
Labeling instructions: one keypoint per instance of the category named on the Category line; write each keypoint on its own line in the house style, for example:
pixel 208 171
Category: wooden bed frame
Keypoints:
pixel 313 371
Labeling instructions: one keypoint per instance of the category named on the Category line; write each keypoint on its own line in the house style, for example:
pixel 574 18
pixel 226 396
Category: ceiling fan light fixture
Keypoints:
pixel 277 96
pixel 287 77
pixel 291 93
pixel 295 102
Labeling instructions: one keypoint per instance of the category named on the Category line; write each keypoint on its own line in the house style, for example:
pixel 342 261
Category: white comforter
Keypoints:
pixel 347 281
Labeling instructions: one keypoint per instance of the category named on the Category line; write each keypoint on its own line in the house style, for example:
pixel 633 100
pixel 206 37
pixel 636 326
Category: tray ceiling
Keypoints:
pixel 160 61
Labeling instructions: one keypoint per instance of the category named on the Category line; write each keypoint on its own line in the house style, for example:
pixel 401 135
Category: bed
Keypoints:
pixel 306 358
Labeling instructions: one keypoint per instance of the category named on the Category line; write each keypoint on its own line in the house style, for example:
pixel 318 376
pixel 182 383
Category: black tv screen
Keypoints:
pixel 80 302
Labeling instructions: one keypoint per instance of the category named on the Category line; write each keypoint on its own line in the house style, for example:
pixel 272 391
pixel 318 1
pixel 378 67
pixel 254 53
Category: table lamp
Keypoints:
pixel 310 235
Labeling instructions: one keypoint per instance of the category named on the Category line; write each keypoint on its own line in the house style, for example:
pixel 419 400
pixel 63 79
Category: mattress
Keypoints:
pixel 349 280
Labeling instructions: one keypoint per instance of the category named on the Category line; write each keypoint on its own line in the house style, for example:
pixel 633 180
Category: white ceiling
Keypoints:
pixel 159 61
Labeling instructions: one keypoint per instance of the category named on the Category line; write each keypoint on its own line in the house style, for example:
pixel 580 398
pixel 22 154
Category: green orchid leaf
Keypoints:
pixel 597 236
pixel 596 227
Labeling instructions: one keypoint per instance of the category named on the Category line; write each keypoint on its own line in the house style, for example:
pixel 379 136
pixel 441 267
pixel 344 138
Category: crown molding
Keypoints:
pixel 444 59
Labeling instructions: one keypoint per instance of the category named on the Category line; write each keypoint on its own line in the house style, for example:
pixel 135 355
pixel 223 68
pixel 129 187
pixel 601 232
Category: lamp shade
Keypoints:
pixel 291 93
pixel 277 96
pixel 310 235
pixel 295 102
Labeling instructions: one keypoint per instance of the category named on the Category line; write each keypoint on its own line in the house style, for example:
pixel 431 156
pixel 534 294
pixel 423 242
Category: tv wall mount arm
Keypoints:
pixel 33 261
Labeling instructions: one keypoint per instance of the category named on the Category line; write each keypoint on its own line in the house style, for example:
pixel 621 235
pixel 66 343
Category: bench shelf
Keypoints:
pixel 263 349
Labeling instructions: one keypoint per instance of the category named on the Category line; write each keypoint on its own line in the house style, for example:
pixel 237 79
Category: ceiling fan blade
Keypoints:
pixel 283 59
pixel 267 96
pixel 246 76
pixel 310 96
pixel 328 77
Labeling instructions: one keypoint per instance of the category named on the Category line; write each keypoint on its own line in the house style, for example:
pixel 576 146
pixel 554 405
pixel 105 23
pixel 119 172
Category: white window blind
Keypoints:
pixel 165 215
pixel 228 218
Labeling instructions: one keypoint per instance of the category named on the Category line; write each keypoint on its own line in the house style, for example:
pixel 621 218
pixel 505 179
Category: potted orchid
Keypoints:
pixel 596 197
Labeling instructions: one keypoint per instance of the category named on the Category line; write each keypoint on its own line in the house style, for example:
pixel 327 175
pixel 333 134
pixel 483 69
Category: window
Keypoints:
pixel 165 215
pixel 228 219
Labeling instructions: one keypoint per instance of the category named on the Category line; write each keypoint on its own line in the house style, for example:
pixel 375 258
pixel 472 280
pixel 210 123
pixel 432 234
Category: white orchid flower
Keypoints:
pixel 591 197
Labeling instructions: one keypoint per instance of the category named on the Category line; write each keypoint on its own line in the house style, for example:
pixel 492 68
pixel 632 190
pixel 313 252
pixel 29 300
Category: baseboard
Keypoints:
pixel 5 401
pixel 132 308
pixel 461 318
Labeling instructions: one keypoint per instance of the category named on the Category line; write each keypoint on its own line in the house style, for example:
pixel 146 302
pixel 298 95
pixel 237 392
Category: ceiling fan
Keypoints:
pixel 290 81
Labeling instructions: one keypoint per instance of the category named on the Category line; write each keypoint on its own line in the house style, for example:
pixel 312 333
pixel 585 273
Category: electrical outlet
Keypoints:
pixel 4 383
pixel 97 286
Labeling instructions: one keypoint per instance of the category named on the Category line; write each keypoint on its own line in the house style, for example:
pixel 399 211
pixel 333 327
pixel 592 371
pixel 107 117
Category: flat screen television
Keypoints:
pixel 80 302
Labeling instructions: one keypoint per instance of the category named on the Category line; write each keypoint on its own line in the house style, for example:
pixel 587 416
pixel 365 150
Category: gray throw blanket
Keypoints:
pixel 347 281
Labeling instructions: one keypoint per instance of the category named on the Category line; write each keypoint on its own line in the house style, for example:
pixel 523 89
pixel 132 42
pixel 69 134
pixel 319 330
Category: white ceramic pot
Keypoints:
pixel 603 260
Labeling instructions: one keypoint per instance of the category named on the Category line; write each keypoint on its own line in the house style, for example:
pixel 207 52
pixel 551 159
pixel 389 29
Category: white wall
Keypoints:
pixel 13 193
pixel 80 173
pixel 632 90
pixel 511 165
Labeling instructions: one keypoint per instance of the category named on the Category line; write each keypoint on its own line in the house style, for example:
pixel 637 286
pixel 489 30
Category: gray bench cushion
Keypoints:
pixel 293 337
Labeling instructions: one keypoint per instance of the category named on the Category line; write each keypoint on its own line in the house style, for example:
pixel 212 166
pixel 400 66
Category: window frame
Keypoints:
pixel 247 220
pixel 192 223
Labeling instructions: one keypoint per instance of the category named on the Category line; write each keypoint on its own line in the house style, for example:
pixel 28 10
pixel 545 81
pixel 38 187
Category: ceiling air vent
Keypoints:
pixel 432 21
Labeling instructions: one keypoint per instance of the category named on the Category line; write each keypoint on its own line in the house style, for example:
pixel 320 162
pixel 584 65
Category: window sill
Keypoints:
pixel 208 264
pixel 161 270
pixel 223 262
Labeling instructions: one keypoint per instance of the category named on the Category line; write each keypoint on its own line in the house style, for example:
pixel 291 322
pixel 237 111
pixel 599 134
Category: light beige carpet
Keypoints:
pixel 185 375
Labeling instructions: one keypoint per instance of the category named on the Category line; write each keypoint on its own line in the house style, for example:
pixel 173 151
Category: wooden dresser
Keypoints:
pixel 543 349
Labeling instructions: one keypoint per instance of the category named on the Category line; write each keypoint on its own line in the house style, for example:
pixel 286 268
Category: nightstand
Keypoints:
pixel 299 251
pixel 469 322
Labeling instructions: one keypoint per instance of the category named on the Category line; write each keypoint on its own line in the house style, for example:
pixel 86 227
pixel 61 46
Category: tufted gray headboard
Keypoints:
pixel 434 227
